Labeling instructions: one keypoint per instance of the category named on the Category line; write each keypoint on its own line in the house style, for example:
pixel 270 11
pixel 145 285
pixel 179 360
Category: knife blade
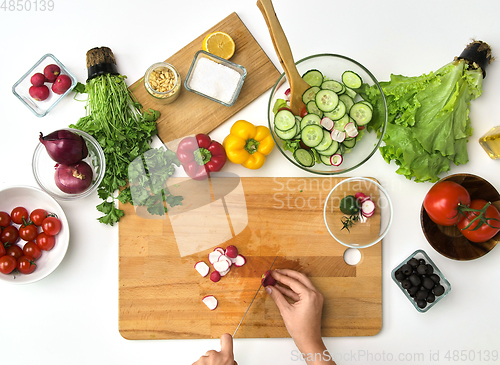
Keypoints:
pixel 255 296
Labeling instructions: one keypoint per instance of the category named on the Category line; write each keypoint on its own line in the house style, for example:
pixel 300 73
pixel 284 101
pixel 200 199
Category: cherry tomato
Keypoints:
pixel 9 234
pixel 3 251
pixel 18 214
pixel 28 232
pixel 15 251
pixel 4 219
pixel 484 232
pixel 7 264
pixel 442 200
pixel 51 226
pixel 45 242
pixel 303 112
pixel 37 216
pixel 26 265
pixel 31 249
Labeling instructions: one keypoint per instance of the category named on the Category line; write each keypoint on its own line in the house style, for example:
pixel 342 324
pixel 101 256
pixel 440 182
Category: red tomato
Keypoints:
pixel 37 216
pixel 31 249
pixel 45 242
pixel 3 251
pixel 18 214
pixel 285 108
pixel 9 234
pixel 4 219
pixel 51 226
pixel 15 251
pixel 28 232
pixel 442 201
pixel 26 265
pixel 303 112
pixel 7 264
pixel 484 232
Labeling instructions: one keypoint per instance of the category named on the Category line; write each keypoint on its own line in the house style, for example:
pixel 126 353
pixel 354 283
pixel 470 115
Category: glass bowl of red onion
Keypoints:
pixel 68 164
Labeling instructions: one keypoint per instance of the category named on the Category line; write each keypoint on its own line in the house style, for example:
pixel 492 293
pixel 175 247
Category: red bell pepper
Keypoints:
pixel 200 155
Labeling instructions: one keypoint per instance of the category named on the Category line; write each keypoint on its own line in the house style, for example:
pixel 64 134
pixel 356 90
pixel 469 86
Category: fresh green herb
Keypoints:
pixel 291 144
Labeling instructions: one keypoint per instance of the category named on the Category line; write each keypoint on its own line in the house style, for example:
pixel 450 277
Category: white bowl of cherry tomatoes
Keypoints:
pixel 34 234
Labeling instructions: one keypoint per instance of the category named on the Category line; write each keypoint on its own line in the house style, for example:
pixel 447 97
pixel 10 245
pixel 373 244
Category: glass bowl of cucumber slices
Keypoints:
pixel 343 120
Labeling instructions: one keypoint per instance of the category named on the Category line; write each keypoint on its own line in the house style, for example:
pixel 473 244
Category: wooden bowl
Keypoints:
pixel 448 241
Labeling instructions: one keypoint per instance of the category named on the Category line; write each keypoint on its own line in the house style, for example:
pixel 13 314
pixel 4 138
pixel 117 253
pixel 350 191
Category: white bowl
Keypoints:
pixel 32 198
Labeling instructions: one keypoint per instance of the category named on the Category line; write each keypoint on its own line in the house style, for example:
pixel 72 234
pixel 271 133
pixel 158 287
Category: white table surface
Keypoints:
pixel 71 317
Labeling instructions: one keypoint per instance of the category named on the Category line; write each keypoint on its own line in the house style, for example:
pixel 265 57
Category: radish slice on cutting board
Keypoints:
pixel 221 266
pixel 213 257
pixel 202 268
pixel 221 250
pixel 225 258
pixel 368 208
pixel 239 261
pixel 210 301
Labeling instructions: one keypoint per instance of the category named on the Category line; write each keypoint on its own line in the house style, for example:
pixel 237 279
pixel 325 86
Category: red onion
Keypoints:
pixel 65 147
pixel 73 179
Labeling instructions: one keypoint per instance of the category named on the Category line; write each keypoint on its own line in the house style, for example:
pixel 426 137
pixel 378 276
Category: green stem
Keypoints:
pixel 251 146
pixel 202 156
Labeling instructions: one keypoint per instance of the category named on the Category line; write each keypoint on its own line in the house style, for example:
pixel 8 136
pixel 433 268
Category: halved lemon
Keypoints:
pixel 220 44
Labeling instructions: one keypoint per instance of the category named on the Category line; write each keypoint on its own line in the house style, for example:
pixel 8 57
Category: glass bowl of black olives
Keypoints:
pixel 421 281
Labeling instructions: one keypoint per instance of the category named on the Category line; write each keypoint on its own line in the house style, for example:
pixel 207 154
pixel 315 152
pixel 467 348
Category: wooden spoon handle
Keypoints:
pixel 278 37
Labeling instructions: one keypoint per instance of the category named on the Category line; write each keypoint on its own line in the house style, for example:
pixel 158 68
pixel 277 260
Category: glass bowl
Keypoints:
pixel 21 87
pixel 362 233
pixel 169 93
pixel 43 168
pixel 332 66
pixel 33 198
pixel 420 254
pixel 214 78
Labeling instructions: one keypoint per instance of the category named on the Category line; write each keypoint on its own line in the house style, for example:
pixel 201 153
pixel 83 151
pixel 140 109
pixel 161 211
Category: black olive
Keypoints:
pixel 422 294
pixel 406 284
pixel 413 291
pixel 422 269
pixel 421 262
pixel 399 276
pixel 413 262
pixel 435 278
pixel 438 290
pixel 430 269
pixel 421 303
pixel 406 269
pixel 414 279
pixel 430 298
pixel 428 283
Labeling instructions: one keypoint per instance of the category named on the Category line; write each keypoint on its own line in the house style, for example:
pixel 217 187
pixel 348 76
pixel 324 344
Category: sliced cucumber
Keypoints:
pixel 312 135
pixel 310 94
pixel 349 143
pixel 326 100
pixel 289 134
pixel 313 108
pixel 361 113
pixel 310 119
pixel 334 86
pixel 304 157
pixel 341 123
pixel 330 150
pixel 338 112
pixel 351 79
pixel 313 77
pixel 351 93
pixel 347 100
pixel 325 142
pixel 325 160
pixel 284 120
pixel 367 103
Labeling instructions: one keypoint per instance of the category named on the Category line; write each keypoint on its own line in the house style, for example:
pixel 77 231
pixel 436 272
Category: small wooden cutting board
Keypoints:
pixel 191 113
pixel 160 292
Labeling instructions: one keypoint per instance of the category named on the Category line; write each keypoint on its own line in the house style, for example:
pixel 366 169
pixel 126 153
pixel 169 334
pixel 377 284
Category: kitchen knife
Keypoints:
pixel 255 296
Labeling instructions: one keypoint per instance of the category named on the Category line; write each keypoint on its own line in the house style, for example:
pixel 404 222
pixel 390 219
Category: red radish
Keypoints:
pixel 336 159
pixel 239 261
pixel 39 93
pixel 231 252
pixel 361 127
pixel 210 301
pixel 214 256
pixel 224 273
pixel 37 79
pixel 221 266
pixel 338 136
pixel 368 208
pixel 225 258
pixel 202 268
pixel 51 72
pixel 268 280
pixel 351 130
pixel 287 94
pixel 327 123
pixel 221 250
pixel 61 85
pixel 361 197
pixel 215 276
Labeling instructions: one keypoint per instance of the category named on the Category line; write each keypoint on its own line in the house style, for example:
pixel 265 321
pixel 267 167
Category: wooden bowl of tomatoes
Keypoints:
pixel 34 232
pixel 451 213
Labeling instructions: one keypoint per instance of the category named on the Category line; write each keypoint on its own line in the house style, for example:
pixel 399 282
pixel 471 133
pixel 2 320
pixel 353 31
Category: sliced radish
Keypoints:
pixel 368 208
pixel 214 256
pixel 338 136
pixel 231 252
pixel 202 268
pixel 351 130
pixel 240 260
pixel 210 301
pixel 221 266
pixel 221 250
pixel 362 219
pixel 327 123
pixel 287 92
pixel 224 273
pixel 361 197
pixel 361 127
pixel 336 159
pixel 215 275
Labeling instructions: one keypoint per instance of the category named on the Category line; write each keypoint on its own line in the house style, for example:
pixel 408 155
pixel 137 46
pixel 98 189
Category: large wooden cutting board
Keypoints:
pixel 191 113
pixel 160 292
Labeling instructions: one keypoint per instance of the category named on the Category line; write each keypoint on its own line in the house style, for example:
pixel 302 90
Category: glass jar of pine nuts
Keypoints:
pixel 163 82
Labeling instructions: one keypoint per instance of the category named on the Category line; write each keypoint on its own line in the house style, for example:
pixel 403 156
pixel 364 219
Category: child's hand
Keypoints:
pixel 224 357
pixel 302 318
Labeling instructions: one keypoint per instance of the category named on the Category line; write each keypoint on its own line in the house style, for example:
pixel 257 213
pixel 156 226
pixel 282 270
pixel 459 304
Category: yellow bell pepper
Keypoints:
pixel 248 145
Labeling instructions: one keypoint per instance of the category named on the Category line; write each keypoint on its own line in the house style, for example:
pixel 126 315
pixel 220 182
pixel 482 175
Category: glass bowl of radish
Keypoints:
pixel 358 212
pixel 68 179
pixel 337 130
